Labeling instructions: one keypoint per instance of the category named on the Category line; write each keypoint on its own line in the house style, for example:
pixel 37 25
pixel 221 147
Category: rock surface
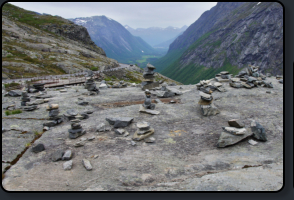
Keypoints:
pixel 184 156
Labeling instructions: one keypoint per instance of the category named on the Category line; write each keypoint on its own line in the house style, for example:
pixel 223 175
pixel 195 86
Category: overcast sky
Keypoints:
pixel 134 14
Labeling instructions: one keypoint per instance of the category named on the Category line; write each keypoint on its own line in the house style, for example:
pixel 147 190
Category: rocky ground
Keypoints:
pixel 184 156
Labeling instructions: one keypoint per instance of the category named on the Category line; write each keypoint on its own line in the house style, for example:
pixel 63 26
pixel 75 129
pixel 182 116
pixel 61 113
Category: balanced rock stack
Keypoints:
pixel 148 75
pixel 147 106
pixel 53 115
pixel 223 76
pixel 206 105
pixel 90 84
pixel 144 131
pixel 233 134
pixel 208 87
pixel 24 98
pixel 76 129
pixel 39 87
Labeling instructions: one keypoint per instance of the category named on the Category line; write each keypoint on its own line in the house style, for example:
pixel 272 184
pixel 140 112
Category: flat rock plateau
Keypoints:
pixel 184 156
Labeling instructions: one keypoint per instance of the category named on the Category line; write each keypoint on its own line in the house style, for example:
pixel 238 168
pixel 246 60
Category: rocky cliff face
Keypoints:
pixel 205 22
pixel 251 34
pixel 117 42
pixel 43 44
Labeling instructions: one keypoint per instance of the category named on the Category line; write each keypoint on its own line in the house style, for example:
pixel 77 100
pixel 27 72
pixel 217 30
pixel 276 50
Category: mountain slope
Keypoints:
pixel 34 44
pixel 251 34
pixel 116 41
pixel 165 44
pixel 205 22
pixel 156 35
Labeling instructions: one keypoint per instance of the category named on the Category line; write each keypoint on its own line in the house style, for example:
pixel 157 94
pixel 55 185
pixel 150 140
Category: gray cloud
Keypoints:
pixel 134 14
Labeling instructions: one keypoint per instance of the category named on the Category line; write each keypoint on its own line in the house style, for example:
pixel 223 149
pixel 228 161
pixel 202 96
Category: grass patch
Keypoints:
pixel 7 85
pixel 13 112
pixel 94 68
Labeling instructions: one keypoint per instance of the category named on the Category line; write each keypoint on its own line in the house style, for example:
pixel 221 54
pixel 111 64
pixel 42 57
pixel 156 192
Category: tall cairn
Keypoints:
pixel 148 75
pixel 54 116
pixel 90 84
pixel 24 98
pixel 206 105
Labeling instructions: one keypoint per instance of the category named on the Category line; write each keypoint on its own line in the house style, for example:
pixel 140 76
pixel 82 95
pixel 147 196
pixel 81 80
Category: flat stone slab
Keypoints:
pixel 148 111
pixel 137 137
pixel 87 164
pixel 235 131
pixel 119 122
pixel 227 139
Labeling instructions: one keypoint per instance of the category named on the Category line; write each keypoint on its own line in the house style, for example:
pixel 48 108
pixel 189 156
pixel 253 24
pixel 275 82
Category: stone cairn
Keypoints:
pixel 90 84
pixel 24 98
pixel 76 129
pixel 147 103
pixel 206 105
pixel 53 115
pixel 38 87
pixel 249 78
pixel 148 78
pixel 147 106
pixel 144 131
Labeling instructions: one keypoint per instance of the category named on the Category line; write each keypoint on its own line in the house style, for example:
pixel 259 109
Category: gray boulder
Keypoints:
pixel 258 131
pixel 227 139
pixel 15 93
pixel 120 122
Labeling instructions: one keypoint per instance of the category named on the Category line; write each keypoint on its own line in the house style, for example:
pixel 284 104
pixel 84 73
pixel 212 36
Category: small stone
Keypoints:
pixel 52 106
pixel 149 140
pixel 227 139
pixel 96 156
pixel 91 138
pixel 120 122
pixel 172 101
pixel 236 123
pixel 133 143
pixel 87 164
pixel 57 155
pixel 119 131
pixel 49 123
pixel 83 139
pixel 67 155
pixel 235 131
pixel 252 142
pixel 80 143
pixel 208 110
pixel 137 137
pixel 67 166
pixel 38 148
pixel 148 111
pixel 268 92
pixel 258 131
pixel 46 128
pixel 143 125
pixel 71 112
pixel 126 134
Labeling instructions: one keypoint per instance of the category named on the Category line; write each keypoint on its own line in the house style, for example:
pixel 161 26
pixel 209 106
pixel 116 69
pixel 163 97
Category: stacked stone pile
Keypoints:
pixel 24 98
pixel 148 75
pixel 144 131
pixel 223 76
pixel 206 105
pixel 53 115
pixel 147 106
pixel 208 86
pixel 37 87
pixel 90 84
pixel 76 129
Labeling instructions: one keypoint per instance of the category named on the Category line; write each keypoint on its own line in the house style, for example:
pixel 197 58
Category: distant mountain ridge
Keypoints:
pixel 116 41
pixel 156 35
pixel 252 34
pixel 203 24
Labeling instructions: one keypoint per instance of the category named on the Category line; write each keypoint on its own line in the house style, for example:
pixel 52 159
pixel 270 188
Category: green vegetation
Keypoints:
pixel 94 68
pixel 132 78
pixel 13 112
pixel 29 17
pixel 193 73
pixel 7 85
